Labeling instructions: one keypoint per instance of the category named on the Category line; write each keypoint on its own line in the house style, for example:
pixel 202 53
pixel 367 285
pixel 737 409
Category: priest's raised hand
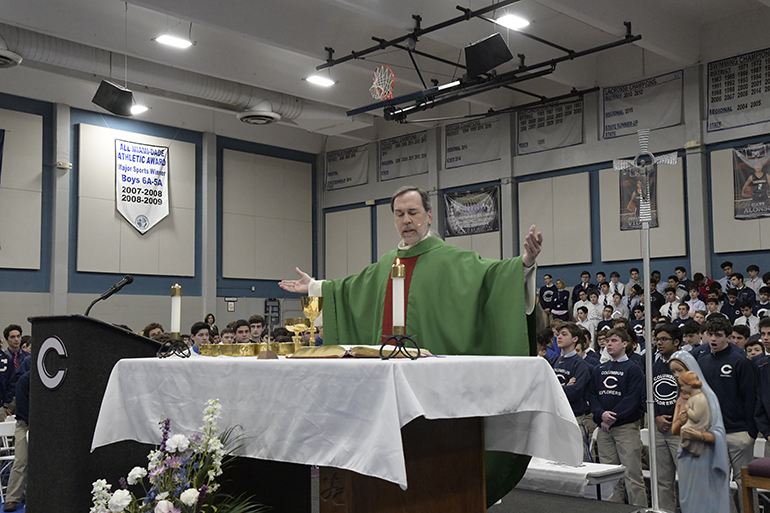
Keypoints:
pixel 298 286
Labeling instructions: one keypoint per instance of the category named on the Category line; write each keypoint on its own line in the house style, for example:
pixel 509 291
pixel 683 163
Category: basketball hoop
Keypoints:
pixel 383 81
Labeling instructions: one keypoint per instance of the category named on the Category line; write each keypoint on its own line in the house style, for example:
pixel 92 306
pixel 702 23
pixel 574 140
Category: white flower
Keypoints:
pixel 120 499
pixel 164 507
pixel 177 443
pixel 189 497
pixel 161 496
pixel 155 458
pixel 135 475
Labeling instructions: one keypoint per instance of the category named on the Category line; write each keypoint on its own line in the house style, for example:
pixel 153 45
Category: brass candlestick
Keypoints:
pixel 311 306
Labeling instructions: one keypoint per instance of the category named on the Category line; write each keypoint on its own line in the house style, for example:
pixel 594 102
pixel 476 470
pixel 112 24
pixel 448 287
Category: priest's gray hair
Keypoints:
pixel 408 188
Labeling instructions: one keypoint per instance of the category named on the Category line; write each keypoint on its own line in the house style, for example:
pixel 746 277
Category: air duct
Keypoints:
pixel 252 104
pixel 8 59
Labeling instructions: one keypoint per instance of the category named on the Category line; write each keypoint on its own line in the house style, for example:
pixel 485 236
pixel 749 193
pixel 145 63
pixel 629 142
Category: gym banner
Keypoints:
pixel 472 142
pixel 468 213
pixel 630 192
pixel 141 183
pixel 651 103
pixel 405 155
pixel 347 168
pixel 738 91
pixel 550 127
pixel 750 183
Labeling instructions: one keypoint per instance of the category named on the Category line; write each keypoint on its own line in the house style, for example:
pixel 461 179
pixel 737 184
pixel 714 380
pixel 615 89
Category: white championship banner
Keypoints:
pixel 550 127
pixel 347 168
pixel 651 103
pixel 405 155
pixel 738 91
pixel 472 142
pixel 141 183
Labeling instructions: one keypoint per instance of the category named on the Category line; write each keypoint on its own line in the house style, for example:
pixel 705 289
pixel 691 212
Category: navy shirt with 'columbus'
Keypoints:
pixel 664 388
pixel 571 366
pixel 731 376
pixel 617 386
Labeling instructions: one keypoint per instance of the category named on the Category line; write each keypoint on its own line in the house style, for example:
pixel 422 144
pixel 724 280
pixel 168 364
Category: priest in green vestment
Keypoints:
pixel 456 303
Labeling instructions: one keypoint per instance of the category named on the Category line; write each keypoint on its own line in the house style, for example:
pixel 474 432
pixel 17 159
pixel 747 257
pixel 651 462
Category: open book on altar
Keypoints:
pixel 353 352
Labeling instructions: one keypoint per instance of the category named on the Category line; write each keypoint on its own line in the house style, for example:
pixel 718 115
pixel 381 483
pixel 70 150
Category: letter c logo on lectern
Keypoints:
pixel 51 381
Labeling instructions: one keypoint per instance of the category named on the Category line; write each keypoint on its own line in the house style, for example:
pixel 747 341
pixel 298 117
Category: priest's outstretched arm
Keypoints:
pixel 533 244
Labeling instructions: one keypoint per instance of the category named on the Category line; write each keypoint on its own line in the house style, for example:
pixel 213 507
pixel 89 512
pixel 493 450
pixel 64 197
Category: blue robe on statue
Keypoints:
pixel 704 480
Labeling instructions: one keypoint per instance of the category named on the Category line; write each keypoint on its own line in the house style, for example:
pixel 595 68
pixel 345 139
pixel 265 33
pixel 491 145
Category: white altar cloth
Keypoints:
pixel 344 413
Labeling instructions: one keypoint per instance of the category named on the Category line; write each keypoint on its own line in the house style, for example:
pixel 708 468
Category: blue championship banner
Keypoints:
pixel 750 185
pixel 141 183
pixel 738 91
pixel 469 213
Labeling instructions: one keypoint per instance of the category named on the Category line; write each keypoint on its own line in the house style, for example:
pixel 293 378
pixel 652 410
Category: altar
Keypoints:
pixel 343 413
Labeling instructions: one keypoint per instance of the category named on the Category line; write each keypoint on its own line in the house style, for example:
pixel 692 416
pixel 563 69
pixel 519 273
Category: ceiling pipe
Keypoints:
pixel 60 53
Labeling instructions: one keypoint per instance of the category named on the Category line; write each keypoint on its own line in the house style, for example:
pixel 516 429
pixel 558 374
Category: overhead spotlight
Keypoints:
pixel 320 81
pixel 511 21
pixel 138 109
pixel 114 98
pixel 176 42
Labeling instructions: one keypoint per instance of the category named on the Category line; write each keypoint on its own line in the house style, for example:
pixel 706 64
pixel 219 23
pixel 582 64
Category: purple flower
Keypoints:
pixel 174 463
pixel 201 498
pixel 165 429
pixel 123 483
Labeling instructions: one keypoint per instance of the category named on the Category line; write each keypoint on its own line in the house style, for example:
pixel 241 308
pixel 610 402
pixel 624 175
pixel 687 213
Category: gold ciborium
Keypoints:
pixel 311 306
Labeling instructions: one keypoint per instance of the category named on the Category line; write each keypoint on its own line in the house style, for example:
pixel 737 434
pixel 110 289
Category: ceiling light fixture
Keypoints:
pixel 320 81
pixel 138 109
pixel 511 21
pixel 176 42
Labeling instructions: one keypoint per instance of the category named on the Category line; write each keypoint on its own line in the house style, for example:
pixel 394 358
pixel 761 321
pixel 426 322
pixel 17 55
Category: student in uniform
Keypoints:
pixel 748 318
pixel 617 396
pixel 668 339
pixel 732 378
pixel 560 303
pixel 730 308
pixel 762 307
pixel 740 336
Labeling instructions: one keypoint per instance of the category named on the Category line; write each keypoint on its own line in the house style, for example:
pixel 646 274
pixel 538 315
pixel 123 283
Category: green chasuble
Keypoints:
pixel 458 303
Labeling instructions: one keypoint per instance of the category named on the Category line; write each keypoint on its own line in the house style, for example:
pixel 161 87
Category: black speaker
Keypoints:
pixel 486 54
pixel 114 98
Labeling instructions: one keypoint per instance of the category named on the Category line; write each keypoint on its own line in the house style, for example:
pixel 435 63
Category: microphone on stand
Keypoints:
pixel 127 279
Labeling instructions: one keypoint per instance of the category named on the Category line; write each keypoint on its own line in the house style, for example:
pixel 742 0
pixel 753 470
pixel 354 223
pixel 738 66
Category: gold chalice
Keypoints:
pixel 311 306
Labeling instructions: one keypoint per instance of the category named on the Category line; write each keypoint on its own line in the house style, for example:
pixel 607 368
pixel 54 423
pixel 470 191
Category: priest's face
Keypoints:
pixel 412 221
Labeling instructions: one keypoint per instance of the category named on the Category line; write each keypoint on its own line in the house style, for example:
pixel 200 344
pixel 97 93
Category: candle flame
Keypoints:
pixel 398 261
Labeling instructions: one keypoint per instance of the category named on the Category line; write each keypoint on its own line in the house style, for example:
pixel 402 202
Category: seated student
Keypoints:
pixel 699 316
pixel 669 309
pixel 600 346
pixel 585 350
pixel 753 349
pixel 683 315
pixel 573 373
pixel 668 339
pixel 725 282
pixel 228 336
pixel 657 300
pixel 583 301
pixel 681 277
pixel 600 278
pixel 594 308
pixel 712 306
pixel 740 336
pixel 199 335
pixel 690 337
pixel 703 283
pixel 673 282
pixel 606 322
pixel 754 282
pixel 551 349
pixel 762 307
pixel 615 285
pixel 619 309
pixel 152 330
pixel 617 397
pixel 764 333
pixel 560 302
pixel 655 279
pixel 766 279
pixel 637 324
pixel 543 339
pixel 584 285
pixel 716 292
pixel 605 296
pixel 731 308
pixel 634 297
pixel 748 318
pixel 635 280
pixel 694 302
pixel 744 292
pixel 585 323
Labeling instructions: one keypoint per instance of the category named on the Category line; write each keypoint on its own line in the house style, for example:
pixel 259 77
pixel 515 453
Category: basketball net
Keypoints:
pixel 382 83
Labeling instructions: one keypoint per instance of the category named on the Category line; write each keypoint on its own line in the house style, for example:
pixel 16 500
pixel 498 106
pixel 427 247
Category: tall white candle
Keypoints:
pixel 176 309
pixel 398 275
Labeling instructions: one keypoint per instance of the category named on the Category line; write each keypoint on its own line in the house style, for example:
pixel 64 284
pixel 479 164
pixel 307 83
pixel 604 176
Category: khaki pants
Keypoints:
pixel 666 448
pixel 740 449
pixel 587 427
pixel 18 479
pixel 622 445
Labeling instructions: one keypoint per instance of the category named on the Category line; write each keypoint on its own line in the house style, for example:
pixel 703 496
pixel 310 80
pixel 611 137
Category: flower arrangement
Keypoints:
pixel 180 476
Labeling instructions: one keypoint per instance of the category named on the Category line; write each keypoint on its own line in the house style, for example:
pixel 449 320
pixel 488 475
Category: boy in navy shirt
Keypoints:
pixel 573 374
pixel 732 378
pixel 730 308
pixel 617 396
pixel 668 339
pixel 606 323
pixel 762 307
